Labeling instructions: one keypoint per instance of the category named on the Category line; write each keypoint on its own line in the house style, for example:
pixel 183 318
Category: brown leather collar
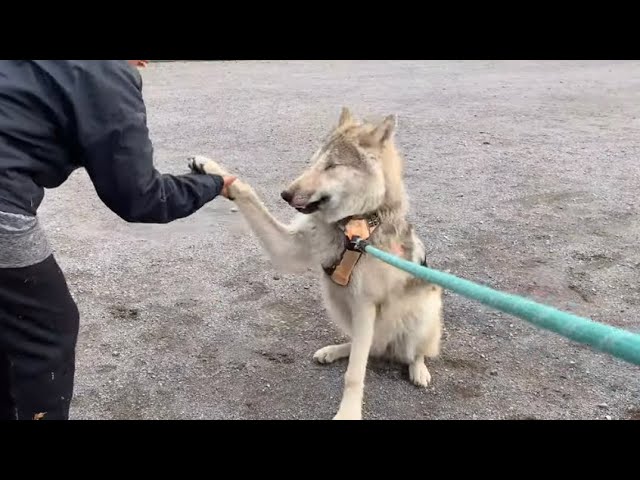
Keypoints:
pixel 363 227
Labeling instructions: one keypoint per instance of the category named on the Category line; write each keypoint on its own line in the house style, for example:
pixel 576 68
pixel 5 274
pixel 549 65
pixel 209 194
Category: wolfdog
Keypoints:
pixel 353 187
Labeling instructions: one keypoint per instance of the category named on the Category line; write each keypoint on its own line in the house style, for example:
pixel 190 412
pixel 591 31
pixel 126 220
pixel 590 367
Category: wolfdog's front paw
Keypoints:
pixel 345 414
pixel 201 164
pixel 419 374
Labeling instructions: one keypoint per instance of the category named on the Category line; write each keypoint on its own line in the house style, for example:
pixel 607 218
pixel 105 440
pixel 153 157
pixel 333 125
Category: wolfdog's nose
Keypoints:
pixel 287 196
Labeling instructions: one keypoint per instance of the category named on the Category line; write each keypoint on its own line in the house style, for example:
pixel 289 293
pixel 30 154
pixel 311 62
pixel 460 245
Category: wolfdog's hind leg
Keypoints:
pixel 331 353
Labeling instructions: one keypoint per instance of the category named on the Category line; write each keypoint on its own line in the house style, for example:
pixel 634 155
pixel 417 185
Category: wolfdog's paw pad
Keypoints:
pixel 201 164
pixel 419 374
pixel 329 354
pixel 196 163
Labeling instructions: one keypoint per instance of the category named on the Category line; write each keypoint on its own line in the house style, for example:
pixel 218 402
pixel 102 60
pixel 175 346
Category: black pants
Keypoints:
pixel 39 324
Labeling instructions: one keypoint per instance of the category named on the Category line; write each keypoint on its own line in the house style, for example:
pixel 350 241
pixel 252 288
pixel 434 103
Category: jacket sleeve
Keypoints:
pixel 115 148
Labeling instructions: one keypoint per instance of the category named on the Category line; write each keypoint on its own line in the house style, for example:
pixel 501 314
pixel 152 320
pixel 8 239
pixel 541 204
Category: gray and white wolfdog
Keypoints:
pixel 353 187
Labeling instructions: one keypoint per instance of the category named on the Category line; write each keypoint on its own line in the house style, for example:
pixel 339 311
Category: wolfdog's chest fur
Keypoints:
pixel 370 277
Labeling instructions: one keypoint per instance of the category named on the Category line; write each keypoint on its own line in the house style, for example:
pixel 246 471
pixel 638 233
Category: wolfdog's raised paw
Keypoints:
pixel 202 164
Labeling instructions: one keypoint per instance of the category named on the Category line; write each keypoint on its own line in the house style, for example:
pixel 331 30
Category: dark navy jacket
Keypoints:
pixel 59 115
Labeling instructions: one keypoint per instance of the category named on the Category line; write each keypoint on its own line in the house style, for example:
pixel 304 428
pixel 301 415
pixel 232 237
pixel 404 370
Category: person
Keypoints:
pixel 57 116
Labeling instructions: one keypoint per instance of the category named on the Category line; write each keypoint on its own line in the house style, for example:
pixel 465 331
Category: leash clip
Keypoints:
pixel 356 244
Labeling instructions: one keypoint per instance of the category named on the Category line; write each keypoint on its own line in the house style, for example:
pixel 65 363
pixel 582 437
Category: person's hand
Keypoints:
pixel 138 63
pixel 228 180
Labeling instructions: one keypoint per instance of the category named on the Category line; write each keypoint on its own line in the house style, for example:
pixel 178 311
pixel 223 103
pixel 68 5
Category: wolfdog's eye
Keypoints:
pixel 330 166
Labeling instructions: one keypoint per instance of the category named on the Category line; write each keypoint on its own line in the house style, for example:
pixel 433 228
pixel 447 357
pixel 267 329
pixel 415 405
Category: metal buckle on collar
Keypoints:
pixel 354 247
pixel 356 244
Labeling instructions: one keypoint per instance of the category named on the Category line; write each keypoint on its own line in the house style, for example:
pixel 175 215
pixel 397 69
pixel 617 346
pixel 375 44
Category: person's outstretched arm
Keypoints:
pixel 117 152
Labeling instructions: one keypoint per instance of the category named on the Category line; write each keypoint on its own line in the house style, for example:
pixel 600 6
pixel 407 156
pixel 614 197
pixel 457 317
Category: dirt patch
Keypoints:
pixel 120 312
pixel 278 357
pixel 633 414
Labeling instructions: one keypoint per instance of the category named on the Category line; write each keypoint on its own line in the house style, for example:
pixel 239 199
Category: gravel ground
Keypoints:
pixel 523 176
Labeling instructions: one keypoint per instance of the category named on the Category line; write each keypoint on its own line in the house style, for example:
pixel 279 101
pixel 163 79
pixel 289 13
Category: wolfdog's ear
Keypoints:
pixel 345 117
pixel 382 133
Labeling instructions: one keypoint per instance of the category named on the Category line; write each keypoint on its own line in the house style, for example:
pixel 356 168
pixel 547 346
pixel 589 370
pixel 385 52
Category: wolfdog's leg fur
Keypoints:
pixel 361 339
pixel 419 373
pixel 284 244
